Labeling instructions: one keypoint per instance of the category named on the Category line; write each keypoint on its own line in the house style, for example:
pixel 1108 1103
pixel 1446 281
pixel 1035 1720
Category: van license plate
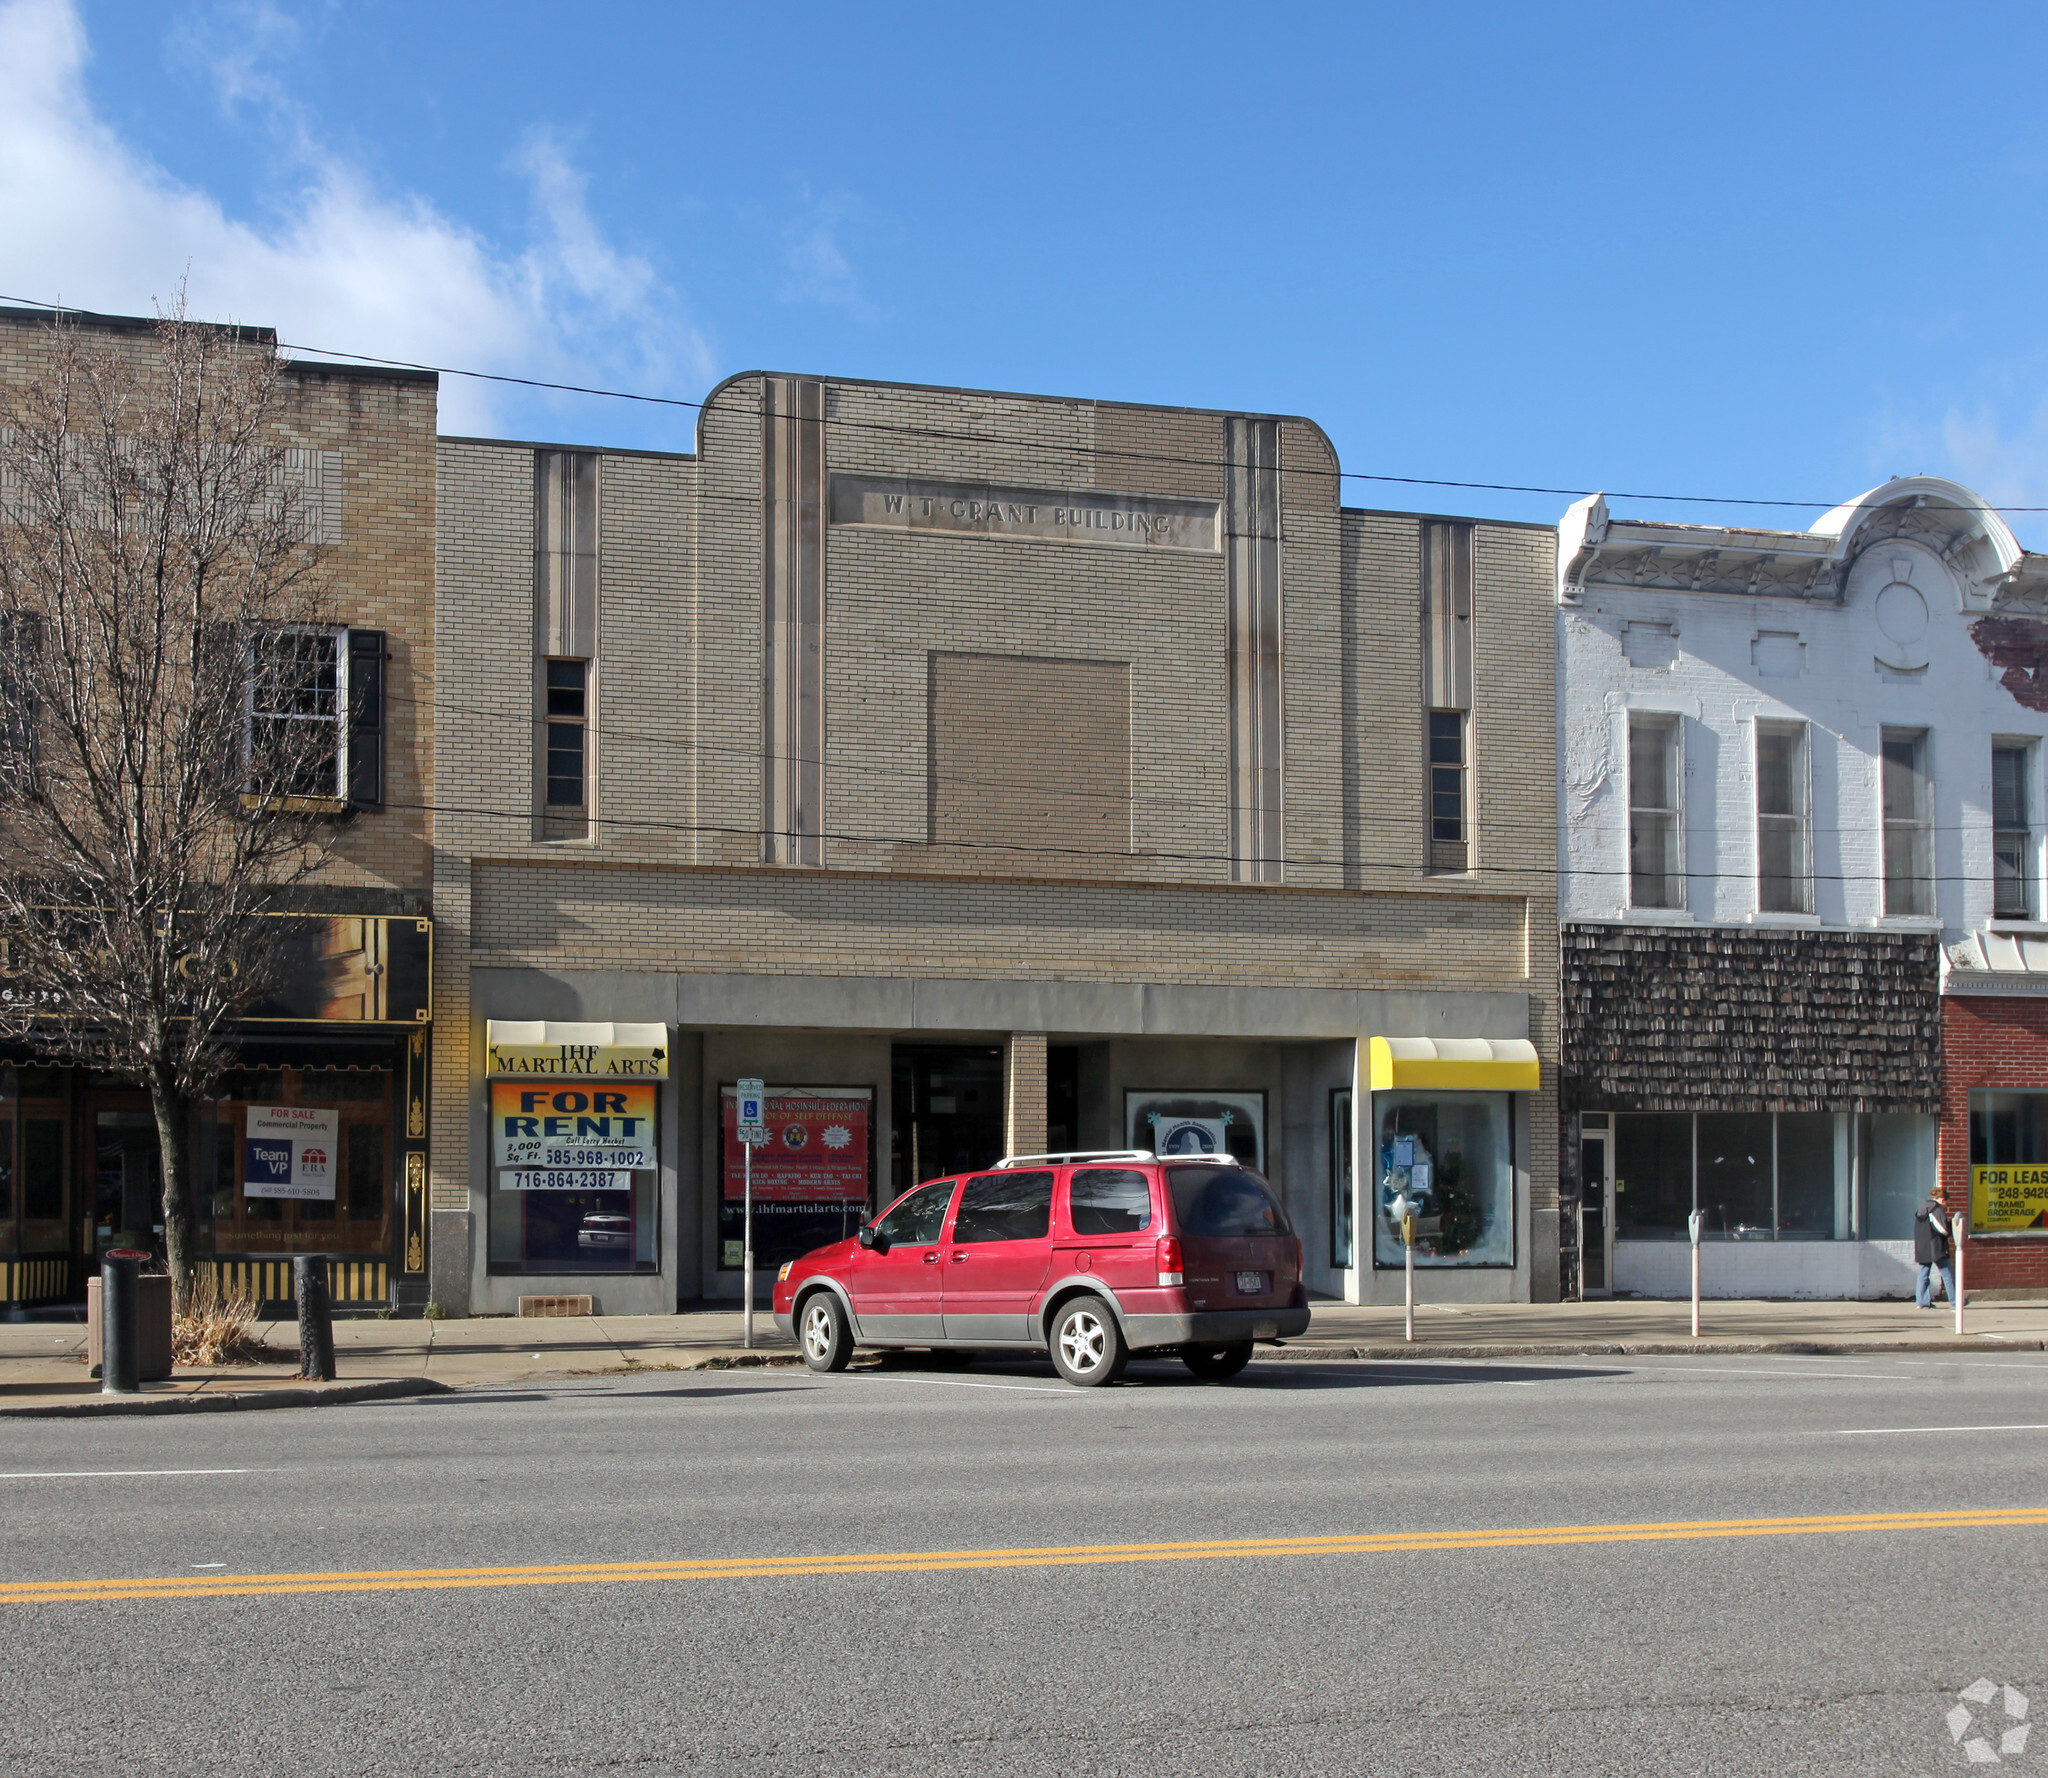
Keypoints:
pixel 1251 1284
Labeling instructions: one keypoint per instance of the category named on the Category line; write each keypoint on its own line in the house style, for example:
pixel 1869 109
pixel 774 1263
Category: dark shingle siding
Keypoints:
pixel 1660 1018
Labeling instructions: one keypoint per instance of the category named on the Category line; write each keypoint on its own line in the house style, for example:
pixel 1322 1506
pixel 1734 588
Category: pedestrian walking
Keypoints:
pixel 1933 1251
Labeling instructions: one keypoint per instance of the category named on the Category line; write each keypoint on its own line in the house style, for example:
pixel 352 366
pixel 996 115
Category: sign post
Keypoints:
pixel 1693 1224
pixel 752 1121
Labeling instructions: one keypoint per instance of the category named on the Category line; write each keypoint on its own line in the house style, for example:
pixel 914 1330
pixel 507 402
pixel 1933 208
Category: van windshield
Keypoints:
pixel 1225 1201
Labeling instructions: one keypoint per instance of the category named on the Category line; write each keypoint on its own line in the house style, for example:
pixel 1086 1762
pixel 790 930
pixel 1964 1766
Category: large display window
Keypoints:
pixel 1454 1154
pixel 1770 1176
pixel 1178 1123
pixel 2008 1162
pixel 574 1171
pixel 299 1160
pixel 811 1179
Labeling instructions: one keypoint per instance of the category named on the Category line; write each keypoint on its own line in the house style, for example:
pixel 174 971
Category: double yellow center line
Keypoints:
pixel 1087 1555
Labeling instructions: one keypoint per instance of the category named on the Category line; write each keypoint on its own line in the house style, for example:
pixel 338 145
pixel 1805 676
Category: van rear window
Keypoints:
pixel 1225 1201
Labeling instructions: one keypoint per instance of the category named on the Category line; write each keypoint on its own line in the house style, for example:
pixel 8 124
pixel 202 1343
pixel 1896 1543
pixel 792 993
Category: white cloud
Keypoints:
pixel 87 220
pixel 815 266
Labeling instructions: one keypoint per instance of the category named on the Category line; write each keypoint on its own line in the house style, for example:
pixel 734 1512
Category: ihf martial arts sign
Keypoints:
pixel 551 1137
pixel 1080 515
pixel 290 1151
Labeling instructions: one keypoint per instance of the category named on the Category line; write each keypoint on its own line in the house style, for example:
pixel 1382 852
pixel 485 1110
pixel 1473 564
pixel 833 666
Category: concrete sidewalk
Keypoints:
pixel 40 1362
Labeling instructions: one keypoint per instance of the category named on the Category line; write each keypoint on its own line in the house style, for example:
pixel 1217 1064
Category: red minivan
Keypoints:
pixel 1088 1257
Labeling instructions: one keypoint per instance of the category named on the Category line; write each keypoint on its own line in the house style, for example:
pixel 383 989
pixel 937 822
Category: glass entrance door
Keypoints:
pixel 946 1112
pixel 1596 1214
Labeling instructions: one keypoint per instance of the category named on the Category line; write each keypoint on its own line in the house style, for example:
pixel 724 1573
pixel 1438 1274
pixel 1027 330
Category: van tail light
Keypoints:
pixel 1171 1270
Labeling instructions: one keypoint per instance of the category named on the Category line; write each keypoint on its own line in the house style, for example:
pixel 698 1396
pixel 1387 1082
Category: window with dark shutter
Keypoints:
pixel 366 718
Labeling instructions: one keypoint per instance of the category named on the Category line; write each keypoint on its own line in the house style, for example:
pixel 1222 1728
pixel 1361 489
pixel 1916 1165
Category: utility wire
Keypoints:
pixel 1036 445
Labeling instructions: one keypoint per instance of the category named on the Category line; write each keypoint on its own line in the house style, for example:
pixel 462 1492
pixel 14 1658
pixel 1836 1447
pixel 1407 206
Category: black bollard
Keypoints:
pixel 316 1317
pixel 120 1325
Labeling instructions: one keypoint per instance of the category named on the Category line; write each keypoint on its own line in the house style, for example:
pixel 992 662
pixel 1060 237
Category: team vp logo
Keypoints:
pixel 268 1163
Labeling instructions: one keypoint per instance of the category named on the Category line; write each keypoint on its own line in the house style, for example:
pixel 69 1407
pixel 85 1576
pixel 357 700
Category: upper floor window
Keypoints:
pixel 1908 823
pixel 1784 876
pixel 2012 830
pixel 1447 850
pixel 568 727
pixel 313 714
pixel 1656 871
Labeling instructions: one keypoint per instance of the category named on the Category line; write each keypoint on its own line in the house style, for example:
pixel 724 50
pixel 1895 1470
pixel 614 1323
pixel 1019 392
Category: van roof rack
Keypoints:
pixel 1069 1157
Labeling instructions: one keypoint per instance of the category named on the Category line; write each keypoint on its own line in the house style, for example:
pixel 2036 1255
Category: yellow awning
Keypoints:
pixel 1453 1064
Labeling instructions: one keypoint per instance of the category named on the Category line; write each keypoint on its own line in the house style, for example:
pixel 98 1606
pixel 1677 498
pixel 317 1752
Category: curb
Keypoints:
pixel 340 1394
pixel 1644 1349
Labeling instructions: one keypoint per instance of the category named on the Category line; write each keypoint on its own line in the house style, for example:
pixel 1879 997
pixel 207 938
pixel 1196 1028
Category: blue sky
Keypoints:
pixel 1775 251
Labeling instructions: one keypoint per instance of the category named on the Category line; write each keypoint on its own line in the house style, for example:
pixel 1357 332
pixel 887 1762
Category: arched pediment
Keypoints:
pixel 1952 522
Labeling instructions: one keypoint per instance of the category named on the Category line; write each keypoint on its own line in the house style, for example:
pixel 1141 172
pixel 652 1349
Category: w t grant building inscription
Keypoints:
pixel 1085 515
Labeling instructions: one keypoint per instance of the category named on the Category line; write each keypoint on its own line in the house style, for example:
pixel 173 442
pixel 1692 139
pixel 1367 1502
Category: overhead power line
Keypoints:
pixel 1039 444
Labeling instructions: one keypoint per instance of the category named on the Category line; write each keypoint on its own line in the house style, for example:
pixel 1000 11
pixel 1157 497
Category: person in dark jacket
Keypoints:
pixel 1933 1251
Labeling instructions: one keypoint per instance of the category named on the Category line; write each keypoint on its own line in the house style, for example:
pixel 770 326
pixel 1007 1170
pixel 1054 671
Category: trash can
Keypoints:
pixel 153 1312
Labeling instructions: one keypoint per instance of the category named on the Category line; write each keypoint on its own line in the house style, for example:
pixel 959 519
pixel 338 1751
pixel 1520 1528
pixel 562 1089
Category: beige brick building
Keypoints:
pixel 348 1045
pixel 982 773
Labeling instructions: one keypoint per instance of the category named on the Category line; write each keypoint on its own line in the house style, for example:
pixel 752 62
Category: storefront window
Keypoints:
pixel 810 1180
pixel 1341 1184
pixel 299 1160
pixel 1760 1176
pixel 1652 1175
pixel 2008 1162
pixel 1898 1167
pixel 1199 1123
pixel 574 1174
pixel 1453 1153
pixel 1735 1174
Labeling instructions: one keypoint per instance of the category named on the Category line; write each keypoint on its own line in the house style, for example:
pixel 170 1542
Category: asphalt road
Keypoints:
pixel 1824 1650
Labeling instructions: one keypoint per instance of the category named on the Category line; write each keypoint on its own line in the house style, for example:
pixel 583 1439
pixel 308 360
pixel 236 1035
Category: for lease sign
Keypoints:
pixel 2014 1196
pixel 290 1151
pixel 557 1127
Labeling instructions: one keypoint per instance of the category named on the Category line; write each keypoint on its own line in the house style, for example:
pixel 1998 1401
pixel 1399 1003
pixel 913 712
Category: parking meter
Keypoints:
pixel 1693 1224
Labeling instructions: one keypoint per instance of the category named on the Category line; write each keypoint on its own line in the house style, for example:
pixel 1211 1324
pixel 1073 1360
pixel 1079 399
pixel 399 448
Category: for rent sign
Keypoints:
pixel 553 1127
pixel 2013 1196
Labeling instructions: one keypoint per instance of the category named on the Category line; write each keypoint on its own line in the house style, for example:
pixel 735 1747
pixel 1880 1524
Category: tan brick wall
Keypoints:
pixel 571 914
pixel 379 575
pixel 672 880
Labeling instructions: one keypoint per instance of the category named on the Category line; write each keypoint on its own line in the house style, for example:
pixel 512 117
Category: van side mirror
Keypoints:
pixel 872 1237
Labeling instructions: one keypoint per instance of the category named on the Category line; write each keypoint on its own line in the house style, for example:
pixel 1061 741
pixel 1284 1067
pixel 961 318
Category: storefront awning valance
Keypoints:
pixel 560 1049
pixel 1448 1064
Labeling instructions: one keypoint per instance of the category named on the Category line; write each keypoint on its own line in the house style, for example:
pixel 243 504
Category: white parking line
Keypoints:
pixel 1693 1370
pixel 950 1383
pixel 1870 1431
pixel 67 1475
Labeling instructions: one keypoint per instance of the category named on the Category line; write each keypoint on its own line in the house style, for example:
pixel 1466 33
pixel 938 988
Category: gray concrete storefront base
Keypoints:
pixel 1297 1046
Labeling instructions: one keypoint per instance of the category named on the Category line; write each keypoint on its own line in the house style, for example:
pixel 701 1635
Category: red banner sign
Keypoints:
pixel 817 1150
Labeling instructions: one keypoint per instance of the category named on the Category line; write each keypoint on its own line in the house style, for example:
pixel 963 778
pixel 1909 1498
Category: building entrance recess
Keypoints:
pixel 946 1112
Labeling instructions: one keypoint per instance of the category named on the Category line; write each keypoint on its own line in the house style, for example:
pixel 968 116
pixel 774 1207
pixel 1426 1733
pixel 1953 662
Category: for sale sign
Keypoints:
pixel 290 1151
pixel 2014 1196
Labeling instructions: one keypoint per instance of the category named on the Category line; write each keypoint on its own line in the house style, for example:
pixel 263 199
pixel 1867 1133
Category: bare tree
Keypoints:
pixel 168 711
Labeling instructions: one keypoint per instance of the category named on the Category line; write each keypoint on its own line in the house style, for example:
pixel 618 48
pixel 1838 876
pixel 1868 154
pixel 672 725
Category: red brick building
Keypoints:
pixel 1994 1108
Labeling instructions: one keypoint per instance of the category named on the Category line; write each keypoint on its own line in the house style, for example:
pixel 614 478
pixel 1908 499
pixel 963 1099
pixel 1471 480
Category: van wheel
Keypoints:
pixel 1213 1364
pixel 822 1332
pixel 1087 1345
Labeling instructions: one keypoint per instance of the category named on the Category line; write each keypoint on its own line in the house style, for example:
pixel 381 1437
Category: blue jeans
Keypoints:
pixel 1923 1289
